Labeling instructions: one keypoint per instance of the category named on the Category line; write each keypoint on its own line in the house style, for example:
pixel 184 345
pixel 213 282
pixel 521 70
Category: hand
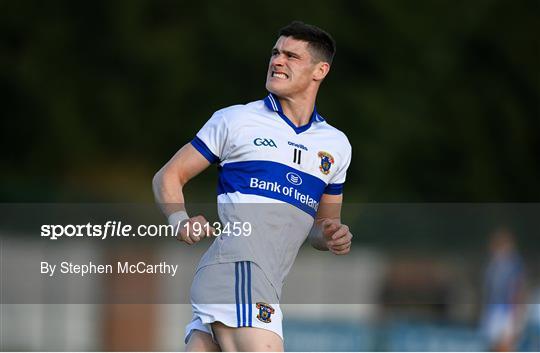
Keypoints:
pixel 337 236
pixel 192 230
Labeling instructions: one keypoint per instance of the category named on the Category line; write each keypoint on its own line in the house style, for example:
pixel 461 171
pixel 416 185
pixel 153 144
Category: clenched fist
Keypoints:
pixel 337 236
pixel 192 230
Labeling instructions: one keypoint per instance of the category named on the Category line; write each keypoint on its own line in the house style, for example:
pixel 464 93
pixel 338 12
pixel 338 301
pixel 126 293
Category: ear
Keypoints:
pixel 321 70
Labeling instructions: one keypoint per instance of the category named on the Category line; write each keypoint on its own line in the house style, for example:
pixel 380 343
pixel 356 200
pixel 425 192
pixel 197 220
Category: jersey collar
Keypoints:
pixel 272 102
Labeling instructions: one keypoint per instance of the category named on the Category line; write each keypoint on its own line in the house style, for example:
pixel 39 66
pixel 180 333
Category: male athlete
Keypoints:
pixel 281 169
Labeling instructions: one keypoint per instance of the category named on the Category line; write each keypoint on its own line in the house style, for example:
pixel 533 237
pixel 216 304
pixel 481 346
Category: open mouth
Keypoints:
pixel 280 75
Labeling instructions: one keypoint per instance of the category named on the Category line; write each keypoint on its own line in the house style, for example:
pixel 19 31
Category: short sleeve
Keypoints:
pixel 211 140
pixel 335 186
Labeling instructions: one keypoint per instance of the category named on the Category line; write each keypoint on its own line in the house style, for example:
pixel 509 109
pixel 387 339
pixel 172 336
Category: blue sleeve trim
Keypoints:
pixel 204 150
pixel 334 189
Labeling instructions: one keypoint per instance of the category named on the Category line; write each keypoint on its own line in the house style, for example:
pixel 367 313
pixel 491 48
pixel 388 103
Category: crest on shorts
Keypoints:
pixel 326 162
pixel 265 311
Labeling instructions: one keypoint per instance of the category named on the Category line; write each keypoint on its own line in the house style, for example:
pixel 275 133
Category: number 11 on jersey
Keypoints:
pixel 297 158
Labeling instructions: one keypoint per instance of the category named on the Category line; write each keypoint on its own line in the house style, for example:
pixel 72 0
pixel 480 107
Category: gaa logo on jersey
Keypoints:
pixel 265 311
pixel 264 142
pixel 326 162
pixel 293 178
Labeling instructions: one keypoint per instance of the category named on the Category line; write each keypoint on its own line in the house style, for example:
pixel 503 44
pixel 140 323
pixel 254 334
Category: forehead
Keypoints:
pixel 292 45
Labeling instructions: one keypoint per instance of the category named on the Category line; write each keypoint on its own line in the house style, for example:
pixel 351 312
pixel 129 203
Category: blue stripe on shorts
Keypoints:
pixel 242 289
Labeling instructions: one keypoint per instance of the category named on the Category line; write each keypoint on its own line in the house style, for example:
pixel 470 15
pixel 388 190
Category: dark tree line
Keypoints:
pixel 439 98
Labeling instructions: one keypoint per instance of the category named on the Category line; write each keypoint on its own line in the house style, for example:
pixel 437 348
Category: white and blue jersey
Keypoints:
pixel 271 174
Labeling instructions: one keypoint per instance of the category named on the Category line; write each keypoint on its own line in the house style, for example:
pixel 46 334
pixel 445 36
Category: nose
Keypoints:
pixel 277 60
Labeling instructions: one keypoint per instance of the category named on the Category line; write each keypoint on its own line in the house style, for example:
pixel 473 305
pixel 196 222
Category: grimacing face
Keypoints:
pixel 292 69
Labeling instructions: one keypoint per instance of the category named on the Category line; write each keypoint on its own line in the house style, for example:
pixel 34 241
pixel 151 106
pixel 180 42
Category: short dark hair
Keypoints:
pixel 322 45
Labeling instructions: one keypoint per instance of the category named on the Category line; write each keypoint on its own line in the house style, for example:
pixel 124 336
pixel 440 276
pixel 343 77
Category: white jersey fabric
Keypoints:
pixel 272 174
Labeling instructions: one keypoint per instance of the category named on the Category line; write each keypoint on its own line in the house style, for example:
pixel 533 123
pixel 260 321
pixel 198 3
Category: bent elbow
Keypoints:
pixel 165 177
pixel 157 181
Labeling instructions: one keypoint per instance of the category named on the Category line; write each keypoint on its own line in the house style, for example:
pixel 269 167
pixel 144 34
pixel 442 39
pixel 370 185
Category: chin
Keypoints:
pixel 275 88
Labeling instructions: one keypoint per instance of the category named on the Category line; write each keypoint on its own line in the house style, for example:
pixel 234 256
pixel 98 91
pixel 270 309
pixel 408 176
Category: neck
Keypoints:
pixel 298 109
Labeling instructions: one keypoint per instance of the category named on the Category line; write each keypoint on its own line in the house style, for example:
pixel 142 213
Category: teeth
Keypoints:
pixel 279 75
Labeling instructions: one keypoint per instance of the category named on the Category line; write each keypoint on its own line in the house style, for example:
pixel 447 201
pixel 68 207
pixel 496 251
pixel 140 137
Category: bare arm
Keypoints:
pixel 168 184
pixel 328 233
pixel 169 181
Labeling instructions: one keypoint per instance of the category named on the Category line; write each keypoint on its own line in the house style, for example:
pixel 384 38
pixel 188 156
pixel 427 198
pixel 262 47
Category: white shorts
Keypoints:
pixel 237 294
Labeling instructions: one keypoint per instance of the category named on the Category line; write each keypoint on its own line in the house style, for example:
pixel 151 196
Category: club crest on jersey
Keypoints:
pixel 265 311
pixel 326 162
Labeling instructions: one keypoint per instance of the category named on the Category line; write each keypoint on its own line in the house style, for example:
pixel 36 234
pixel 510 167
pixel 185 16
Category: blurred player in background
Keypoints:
pixel 276 151
pixel 504 293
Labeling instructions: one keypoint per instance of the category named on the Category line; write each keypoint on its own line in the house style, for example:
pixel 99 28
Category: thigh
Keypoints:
pixel 246 339
pixel 201 342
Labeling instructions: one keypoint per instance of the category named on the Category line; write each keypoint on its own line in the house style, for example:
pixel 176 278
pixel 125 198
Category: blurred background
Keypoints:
pixel 440 101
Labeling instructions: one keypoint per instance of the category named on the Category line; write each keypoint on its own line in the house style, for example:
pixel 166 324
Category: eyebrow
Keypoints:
pixel 287 52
